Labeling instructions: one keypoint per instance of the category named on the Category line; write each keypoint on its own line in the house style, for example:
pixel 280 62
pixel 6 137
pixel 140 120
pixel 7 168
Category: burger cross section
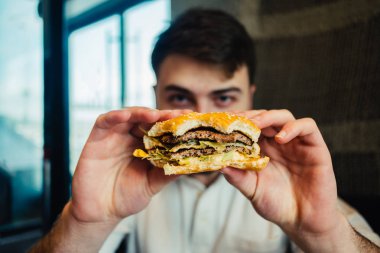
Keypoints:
pixel 200 142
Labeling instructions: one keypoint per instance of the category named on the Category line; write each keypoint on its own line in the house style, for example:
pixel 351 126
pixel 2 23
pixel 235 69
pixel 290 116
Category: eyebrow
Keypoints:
pixel 173 87
pixel 230 89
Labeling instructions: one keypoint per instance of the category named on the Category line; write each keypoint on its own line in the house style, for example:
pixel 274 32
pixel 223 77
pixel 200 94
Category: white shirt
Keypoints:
pixel 187 217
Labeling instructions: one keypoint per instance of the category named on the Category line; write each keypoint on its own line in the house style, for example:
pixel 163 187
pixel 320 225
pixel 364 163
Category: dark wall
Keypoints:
pixel 330 73
pixel 334 77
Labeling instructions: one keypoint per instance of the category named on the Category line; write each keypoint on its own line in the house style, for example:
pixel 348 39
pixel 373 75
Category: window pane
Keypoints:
pixel 94 78
pixel 21 112
pixel 143 23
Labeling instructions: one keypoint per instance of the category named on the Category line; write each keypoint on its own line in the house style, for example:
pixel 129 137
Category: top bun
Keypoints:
pixel 221 121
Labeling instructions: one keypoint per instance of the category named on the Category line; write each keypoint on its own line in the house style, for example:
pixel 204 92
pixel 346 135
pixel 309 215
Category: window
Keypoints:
pixel 95 67
pixel 94 77
pixel 21 113
pixel 144 23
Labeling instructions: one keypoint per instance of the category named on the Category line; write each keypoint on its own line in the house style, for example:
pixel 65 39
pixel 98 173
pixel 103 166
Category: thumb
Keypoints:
pixel 157 179
pixel 244 180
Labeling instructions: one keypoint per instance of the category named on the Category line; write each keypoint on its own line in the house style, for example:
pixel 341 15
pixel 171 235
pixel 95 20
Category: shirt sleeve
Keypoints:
pixel 118 234
pixel 356 221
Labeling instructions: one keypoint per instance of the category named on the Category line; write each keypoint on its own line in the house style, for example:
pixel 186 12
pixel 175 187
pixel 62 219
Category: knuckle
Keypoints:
pixel 100 117
pixel 291 124
pixel 310 121
pixel 99 122
pixel 286 112
pixel 262 111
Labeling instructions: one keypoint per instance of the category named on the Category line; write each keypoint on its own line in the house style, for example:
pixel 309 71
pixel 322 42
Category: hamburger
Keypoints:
pixel 200 142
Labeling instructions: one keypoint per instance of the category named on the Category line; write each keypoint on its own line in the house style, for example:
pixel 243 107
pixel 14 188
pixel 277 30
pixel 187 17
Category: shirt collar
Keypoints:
pixel 194 183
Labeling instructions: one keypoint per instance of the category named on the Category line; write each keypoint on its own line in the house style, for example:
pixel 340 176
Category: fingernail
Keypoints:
pixel 281 134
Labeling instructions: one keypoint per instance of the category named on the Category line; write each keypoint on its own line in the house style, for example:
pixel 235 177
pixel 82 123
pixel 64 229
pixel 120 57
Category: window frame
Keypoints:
pixel 56 167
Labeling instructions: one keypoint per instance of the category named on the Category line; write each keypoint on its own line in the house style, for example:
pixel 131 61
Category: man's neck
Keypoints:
pixel 206 178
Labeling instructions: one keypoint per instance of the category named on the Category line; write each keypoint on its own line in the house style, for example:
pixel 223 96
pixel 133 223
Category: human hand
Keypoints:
pixel 297 190
pixel 109 183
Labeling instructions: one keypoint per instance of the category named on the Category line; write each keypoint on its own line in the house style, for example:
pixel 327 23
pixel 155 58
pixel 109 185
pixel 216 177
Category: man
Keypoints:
pixel 203 62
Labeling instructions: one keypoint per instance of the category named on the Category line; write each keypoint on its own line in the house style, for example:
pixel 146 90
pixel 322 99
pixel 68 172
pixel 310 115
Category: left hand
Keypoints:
pixel 297 190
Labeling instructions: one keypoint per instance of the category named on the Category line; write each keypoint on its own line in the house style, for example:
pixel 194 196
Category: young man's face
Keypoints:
pixel 185 83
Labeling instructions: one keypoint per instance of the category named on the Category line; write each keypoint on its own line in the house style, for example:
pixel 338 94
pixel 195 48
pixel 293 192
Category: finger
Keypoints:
pixel 165 115
pixel 169 114
pixel 251 113
pixel 273 118
pixel 237 112
pixel 269 132
pixel 245 181
pixel 109 119
pixel 132 114
pixel 141 129
pixel 143 115
pixel 305 128
pixel 157 180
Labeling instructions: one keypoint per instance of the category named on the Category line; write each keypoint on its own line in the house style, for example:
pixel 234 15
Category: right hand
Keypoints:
pixel 109 183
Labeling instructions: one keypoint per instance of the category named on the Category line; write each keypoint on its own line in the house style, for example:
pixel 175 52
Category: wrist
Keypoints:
pixel 337 239
pixel 72 235
pixel 84 236
pixel 85 218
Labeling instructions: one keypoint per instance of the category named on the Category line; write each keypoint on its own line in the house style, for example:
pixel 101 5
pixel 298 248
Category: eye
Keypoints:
pixel 179 100
pixel 224 100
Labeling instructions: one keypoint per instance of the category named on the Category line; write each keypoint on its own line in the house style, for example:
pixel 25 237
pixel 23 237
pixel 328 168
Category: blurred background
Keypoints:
pixel 62 63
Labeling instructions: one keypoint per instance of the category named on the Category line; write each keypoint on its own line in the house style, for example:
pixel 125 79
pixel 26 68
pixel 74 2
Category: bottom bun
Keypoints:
pixel 214 162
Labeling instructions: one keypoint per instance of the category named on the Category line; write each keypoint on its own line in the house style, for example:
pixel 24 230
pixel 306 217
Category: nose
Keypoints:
pixel 203 105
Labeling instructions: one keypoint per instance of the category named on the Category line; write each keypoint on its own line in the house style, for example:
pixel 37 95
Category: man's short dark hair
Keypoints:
pixel 209 36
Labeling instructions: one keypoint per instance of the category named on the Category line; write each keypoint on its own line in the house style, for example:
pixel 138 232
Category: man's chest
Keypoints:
pixel 187 218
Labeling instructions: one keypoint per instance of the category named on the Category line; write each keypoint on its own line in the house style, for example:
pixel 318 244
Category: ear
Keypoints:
pixel 252 90
pixel 155 93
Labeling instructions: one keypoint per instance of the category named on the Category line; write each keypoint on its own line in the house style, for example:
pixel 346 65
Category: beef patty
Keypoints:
pixel 207 135
pixel 206 151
